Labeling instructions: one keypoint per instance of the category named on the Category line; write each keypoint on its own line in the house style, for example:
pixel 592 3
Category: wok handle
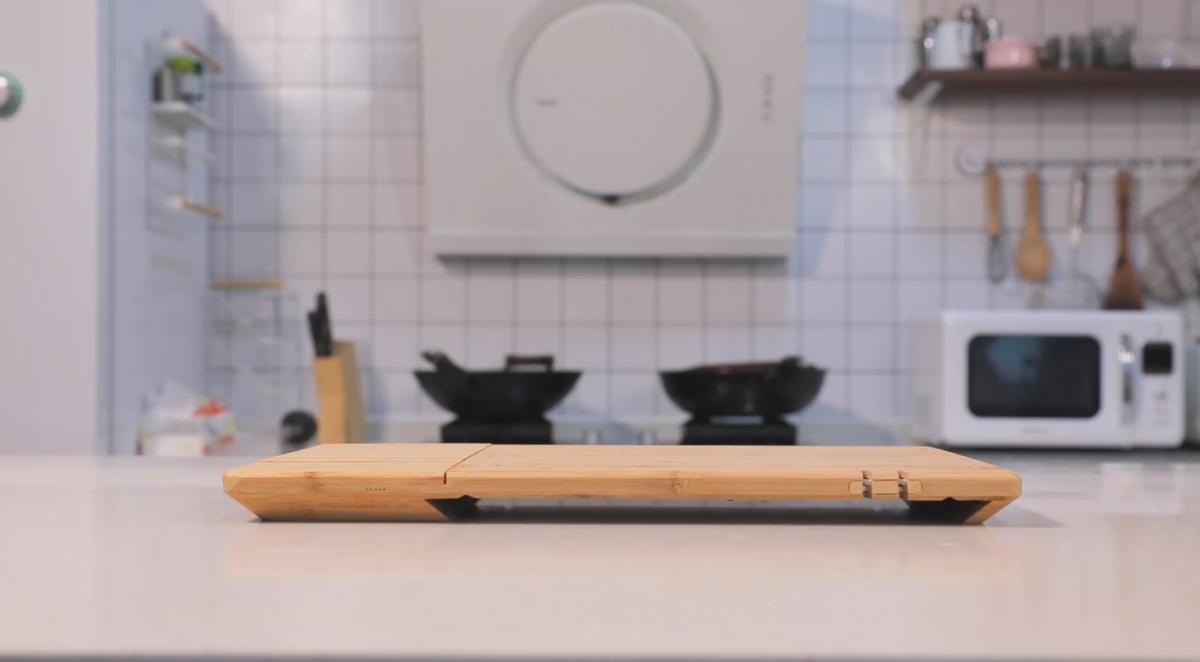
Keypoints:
pixel 786 364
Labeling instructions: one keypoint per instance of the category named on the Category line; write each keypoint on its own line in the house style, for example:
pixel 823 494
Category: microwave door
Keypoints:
pixel 1041 388
pixel 1031 376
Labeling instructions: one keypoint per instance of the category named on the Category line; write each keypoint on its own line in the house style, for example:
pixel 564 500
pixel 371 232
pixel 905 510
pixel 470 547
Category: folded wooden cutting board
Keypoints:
pixel 434 482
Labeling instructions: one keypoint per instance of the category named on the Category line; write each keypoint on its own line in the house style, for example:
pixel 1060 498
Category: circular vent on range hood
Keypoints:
pixel 614 101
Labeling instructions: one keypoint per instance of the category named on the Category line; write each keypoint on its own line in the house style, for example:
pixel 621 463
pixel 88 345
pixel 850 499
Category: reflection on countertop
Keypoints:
pixel 116 555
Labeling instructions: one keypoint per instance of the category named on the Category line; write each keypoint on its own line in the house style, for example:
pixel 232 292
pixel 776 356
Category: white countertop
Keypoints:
pixel 1099 559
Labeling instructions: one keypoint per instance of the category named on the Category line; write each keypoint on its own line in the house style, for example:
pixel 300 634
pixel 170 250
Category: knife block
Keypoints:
pixel 340 415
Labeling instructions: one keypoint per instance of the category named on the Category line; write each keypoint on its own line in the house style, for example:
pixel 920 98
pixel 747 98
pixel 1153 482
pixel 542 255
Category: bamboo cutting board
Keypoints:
pixel 436 482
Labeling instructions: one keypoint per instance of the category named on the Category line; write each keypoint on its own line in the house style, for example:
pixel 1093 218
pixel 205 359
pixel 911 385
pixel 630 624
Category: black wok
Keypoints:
pixel 523 391
pixel 766 390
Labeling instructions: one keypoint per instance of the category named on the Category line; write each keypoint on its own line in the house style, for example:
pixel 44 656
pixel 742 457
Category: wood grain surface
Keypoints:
pixel 428 481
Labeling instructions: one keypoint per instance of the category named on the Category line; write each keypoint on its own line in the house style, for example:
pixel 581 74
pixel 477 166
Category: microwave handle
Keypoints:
pixel 1128 360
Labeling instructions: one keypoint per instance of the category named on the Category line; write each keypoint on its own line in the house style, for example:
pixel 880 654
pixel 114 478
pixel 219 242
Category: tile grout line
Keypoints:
pixel 277 188
pixel 324 8
pixel 372 215
pixel 847 205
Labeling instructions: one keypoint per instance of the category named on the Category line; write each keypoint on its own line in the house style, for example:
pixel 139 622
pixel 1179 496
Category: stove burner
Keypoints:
pixel 739 432
pixel 524 432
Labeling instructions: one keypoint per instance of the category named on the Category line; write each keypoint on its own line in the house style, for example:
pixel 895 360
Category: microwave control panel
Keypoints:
pixel 1160 406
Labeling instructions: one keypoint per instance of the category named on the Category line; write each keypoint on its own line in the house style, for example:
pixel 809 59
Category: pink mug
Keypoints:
pixel 1010 53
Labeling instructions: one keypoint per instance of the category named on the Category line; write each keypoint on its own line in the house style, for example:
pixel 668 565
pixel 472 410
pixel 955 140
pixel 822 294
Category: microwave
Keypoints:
pixel 1053 379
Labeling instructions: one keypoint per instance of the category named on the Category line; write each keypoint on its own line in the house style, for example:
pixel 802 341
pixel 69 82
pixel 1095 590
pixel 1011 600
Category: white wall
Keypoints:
pixel 50 233
pixel 320 169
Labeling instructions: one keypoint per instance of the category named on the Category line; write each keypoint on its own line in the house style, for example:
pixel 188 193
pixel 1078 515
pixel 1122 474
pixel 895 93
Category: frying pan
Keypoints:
pixel 766 390
pixel 523 391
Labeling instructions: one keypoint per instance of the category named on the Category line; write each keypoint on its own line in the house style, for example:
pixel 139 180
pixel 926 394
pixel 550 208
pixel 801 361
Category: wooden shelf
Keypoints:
pixel 241 285
pixel 927 84
pixel 183 116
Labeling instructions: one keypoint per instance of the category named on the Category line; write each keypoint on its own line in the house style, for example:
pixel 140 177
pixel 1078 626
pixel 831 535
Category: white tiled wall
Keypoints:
pixel 322 178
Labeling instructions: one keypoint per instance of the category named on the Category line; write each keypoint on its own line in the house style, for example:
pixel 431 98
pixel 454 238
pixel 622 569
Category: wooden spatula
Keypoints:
pixel 1032 256
pixel 1125 289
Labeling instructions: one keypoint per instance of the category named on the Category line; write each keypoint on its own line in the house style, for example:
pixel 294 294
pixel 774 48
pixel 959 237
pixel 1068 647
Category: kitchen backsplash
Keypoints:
pixel 319 168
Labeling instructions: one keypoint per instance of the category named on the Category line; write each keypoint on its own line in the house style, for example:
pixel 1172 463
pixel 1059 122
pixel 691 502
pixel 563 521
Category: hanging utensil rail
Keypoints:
pixel 972 163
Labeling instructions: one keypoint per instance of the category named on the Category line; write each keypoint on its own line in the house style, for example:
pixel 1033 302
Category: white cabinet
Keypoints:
pixel 101 301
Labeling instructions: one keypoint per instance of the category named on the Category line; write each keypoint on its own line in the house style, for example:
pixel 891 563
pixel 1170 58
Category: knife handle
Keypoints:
pixel 992 184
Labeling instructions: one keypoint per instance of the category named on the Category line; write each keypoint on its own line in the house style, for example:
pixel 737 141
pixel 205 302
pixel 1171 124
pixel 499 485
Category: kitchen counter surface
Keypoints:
pixel 1100 559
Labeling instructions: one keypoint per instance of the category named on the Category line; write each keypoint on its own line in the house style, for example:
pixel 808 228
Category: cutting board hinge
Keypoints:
pixel 888 485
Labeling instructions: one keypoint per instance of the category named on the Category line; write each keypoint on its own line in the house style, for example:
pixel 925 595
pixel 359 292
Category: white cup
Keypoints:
pixel 952 45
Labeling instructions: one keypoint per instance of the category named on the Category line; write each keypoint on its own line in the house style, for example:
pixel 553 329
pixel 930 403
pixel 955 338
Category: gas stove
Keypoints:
pixel 461 431
pixel 738 431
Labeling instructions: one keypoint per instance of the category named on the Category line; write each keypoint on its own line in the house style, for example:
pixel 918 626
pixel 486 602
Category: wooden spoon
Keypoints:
pixel 1032 256
pixel 1125 289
